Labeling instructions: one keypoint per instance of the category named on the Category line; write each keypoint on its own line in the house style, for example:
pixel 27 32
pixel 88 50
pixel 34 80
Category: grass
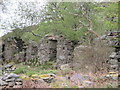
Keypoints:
pixel 59 81
pixel 20 70
pixel 30 70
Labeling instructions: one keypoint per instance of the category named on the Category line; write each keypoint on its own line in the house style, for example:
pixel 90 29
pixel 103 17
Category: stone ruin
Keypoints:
pixel 47 49
pixel 56 49
pixel 50 48
pixel 10 81
pixel 115 55
pixel 95 57
pixel 12 49
pixel 65 50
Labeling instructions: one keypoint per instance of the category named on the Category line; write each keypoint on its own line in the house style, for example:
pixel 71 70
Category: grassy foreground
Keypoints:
pixel 61 80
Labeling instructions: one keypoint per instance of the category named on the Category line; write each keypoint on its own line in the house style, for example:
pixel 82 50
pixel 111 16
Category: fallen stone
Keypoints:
pixel 11 84
pixel 113 55
pixel 17 86
pixel 117 56
pixel 7 66
pixel 113 61
pixel 87 84
pixel 18 80
pixel 13 69
pixel 12 75
pixel 10 80
pixel 51 74
pixel 77 77
pixel 18 83
pixel 3 83
pixel 114 66
pixel 48 79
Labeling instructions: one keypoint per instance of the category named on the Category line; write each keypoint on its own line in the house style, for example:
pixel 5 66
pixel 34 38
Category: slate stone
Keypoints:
pixel 48 79
pixel 18 83
pixel 88 84
pixel 18 80
pixel 12 75
pixel 113 55
pixel 3 83
pixel 51 74
pixel 77 77
pixel 10 80
pixel 11 84
pixel 17 86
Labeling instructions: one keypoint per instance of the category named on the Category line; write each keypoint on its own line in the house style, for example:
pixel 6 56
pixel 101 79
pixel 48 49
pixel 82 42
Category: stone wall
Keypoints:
pixel 47 50
pixel 31 53
pixel 0 50
pixel 64 51
pixel 61 51
pixel 50 48
pixel 115 55
pixel 95 57
pixel 11 47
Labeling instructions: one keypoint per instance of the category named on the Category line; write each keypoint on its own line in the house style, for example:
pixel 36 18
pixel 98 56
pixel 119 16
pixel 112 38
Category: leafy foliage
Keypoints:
pixel 73 20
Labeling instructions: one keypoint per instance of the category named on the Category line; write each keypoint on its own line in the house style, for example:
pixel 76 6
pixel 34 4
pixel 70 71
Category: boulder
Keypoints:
pixel 12 75
pixel 11 84
pixel 48 79
pixel 10 80
pixel 17 86
pixel 87 84
pixel 51 75
pixel 77 78
pixel 113 55
pixel 18 83
pixel 18 80
pixel 3 83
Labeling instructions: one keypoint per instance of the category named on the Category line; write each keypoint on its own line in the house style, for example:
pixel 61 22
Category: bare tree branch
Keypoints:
pixel 36 34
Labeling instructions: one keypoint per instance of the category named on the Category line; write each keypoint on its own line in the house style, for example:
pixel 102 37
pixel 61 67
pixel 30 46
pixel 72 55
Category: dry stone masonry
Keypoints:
pixel 47 49
pixel 64 51
pixel 10 80
pixel 56 49
pixel 31 53
pixel 12 49
pixel 50 48
pixel 115 56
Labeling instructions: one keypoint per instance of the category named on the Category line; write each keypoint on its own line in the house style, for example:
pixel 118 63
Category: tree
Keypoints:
pixel 73 20
pixel 70 19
